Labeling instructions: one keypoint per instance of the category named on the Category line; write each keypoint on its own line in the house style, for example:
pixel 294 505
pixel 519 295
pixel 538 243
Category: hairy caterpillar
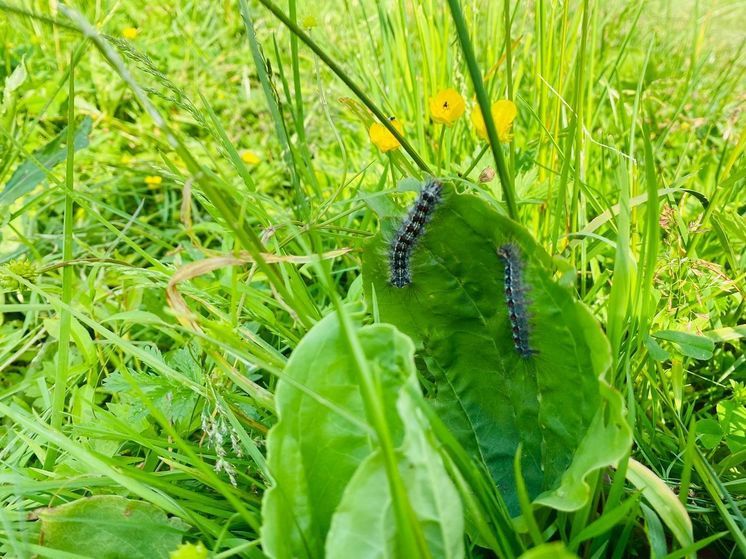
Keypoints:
pixel 515 297
pixel 411 229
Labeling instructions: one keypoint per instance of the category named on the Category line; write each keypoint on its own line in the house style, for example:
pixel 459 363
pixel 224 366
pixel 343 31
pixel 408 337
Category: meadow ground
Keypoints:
pixel 191 195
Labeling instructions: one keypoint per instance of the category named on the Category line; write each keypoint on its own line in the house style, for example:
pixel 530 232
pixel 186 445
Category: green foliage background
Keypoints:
pixel 162 290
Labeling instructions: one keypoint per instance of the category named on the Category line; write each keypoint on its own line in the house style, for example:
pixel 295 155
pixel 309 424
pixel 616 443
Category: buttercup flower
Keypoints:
pixel 129 33
pixel 249 157
pixel 447 106
pixel 309 22
pixel 382 138
pixel 153 180
pixel 503 113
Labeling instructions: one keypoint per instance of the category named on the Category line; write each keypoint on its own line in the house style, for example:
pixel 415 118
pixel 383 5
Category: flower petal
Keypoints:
pixel 447 106
pixel 249 157
pixel 504 112
pixel 382 138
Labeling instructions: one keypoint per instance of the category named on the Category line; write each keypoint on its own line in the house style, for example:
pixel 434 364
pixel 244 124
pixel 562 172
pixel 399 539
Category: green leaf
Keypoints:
pixel 34 170
pixel 175 401
pixel 568 420
pixel 408 184
pixel 79 334
pixel 710 433
pixel 654 531
pixel 110 527
pixel 554 550
pixel 655 350
pixel 183 360
pixel 732 417
pixel 12 83
pixel 136 317
pixel 691 345
pixel 620 295
pixel 726 334
pixel 689 550
pixel 362 525
pixel 190 551
pixel 325 463
pixel 608 520
pixel 662 499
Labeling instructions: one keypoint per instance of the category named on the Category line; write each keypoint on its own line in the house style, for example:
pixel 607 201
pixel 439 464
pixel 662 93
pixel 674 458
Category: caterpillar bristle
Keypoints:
pixel 410 231
pixel 515 297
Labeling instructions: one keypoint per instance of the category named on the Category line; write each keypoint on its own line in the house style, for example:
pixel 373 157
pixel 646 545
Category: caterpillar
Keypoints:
pixel 410 231
pixel 515 297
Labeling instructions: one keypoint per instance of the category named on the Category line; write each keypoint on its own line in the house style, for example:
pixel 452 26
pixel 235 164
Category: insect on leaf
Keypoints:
pixel 551 398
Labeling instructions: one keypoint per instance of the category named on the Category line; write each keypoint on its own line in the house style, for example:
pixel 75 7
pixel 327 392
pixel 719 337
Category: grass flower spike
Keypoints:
pixel 504 112
pixel 447 106
pixel 382 138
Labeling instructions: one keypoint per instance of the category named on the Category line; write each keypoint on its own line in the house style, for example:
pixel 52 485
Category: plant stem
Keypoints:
pixel 63 347
pixel 341 74
pixel 474 161
pixel 509 71
pixel 439 155
pixel 484 105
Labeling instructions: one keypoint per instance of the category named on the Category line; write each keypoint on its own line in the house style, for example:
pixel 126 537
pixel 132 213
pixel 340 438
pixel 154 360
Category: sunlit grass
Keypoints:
pixel 158 275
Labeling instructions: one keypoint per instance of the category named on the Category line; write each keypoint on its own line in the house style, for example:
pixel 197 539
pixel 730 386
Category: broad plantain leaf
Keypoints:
pixel 363 524
pixel 325 462
pixel 110 527
pixel 555 402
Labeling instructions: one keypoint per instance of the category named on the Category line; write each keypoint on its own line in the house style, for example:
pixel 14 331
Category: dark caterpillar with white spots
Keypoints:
pixel 515 297
pixel 412 228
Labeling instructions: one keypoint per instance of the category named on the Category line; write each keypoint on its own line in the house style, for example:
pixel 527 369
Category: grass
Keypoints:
pixel 146 324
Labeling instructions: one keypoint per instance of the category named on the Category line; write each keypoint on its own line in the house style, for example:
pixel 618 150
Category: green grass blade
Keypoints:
pixel 63 353
pixel 467 49
pixel 356 89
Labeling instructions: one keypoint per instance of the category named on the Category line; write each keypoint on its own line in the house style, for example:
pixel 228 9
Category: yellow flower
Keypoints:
pixel 309 22
pixel 249 157
pixel 503 113
pixel 382 138
pixel 189 551
pixel 129 33
pixel 447 106
pixel 153 181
